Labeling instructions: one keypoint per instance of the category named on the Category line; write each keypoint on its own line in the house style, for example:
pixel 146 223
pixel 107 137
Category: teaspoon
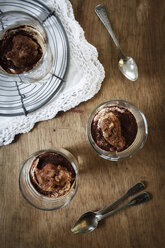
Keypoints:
pixel 88 222
pixel 130 192
pixel 127 65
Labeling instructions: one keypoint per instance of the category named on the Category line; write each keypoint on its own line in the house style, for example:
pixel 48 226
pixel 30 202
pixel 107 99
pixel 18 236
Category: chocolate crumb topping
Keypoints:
pixel 20 50
pixel 114 128
pixel 51 174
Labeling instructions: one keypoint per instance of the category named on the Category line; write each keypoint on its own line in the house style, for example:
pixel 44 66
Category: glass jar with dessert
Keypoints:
pixel 117 129
pixel 24 48
pixel 48 179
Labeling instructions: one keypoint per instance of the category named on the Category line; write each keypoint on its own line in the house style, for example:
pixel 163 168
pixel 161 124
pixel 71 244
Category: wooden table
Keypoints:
pixel 140 30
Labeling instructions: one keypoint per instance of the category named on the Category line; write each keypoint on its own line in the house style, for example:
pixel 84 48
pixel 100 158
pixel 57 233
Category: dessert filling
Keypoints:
pixel 51 174
pixel 20 50
pixel 114 128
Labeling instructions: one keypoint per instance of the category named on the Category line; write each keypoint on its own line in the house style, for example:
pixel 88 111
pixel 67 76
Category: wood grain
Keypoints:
pixel 140 28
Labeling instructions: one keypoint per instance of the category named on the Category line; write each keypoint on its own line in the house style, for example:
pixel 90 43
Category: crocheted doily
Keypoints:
pixel 83 79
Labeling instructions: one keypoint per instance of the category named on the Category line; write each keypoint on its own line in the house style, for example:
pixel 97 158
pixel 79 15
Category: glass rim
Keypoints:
pixel 57 151
pixel 108 154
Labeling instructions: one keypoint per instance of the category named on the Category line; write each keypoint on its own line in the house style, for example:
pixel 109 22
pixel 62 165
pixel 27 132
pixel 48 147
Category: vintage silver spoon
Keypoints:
pixel 88 222
pixel 132 191
pixel 136 188
pixel 127 65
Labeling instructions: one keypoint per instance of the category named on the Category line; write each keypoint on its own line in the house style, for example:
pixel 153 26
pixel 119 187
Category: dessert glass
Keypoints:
pixel 14 19
pixel 37 199
pixel 140 139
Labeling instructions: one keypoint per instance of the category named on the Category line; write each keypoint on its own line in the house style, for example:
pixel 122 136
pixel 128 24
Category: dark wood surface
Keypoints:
pixel 140 28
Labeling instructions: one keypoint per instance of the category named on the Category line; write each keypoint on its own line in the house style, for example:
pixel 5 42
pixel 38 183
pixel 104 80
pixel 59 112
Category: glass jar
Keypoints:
pixel 12 20
pixel 139 141
pixel 37 199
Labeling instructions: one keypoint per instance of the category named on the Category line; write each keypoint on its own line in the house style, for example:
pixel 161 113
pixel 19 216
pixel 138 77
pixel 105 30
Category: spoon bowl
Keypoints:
pixel 86 223
pixel 128 68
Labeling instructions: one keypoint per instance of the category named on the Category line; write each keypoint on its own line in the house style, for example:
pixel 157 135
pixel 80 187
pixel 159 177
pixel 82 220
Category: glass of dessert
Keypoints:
pixel 24 48
pixel 48 179
pixel 117 129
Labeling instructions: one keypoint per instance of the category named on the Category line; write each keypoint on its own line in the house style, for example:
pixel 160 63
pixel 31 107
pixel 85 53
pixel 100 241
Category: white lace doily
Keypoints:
pixel 83 80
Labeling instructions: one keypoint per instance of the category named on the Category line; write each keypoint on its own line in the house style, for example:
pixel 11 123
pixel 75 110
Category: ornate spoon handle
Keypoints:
pixel 144 197
pixel 132 191
pixel 101 13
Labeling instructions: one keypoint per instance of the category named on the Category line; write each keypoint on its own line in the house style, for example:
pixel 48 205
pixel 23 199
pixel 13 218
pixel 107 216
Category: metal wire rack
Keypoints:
pixel 17 97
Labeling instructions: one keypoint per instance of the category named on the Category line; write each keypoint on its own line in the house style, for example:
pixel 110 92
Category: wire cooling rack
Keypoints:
pixel 17 97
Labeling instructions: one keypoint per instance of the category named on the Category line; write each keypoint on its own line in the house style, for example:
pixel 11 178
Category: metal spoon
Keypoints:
pixel 132 191
pixel 89 221
pixel 127 65
pixel 136 188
